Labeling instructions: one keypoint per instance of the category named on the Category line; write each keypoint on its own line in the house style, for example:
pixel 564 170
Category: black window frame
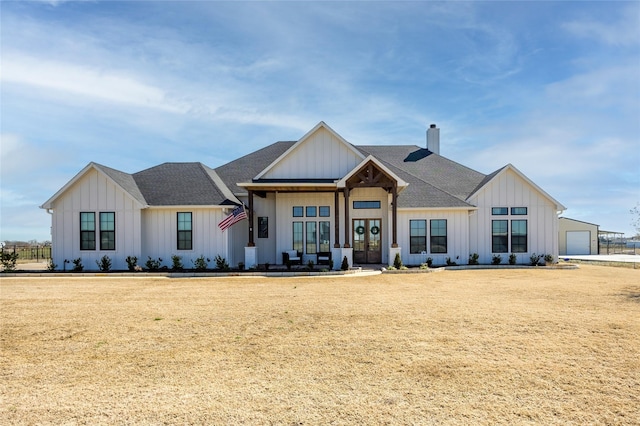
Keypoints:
pixel 519 240
pixel 499 238
pixel 87 236
pixel 362 205
pixel 499 211
pixel 107 236
pixel 436 240
pixel 263 227
pixel 519 211
pixel 184 237
pixel 311 211
pixel 297 245
pixel 417 243
pixel 324 211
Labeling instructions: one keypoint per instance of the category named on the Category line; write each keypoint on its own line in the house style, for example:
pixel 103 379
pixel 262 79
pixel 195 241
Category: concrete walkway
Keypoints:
pixel 627 258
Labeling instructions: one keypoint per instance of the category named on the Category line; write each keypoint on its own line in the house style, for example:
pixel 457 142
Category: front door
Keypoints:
pixel 366 241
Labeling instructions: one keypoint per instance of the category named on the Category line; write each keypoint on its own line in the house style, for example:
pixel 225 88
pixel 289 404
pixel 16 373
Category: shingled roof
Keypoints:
pixel 181 184
pixel 434 181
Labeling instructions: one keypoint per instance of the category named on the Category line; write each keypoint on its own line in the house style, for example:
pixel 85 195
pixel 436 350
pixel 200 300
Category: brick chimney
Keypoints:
pixel 433 139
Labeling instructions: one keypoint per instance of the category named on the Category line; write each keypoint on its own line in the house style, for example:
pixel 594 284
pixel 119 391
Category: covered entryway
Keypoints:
pixel 367 247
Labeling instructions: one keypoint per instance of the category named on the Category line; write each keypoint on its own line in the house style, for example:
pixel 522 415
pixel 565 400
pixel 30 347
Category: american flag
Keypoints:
pixel 236 216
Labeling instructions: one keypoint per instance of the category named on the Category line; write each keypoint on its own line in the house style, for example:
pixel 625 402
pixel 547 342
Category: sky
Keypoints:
pixel 550 87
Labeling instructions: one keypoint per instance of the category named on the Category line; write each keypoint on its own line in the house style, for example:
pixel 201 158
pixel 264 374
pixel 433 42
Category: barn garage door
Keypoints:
pixel 578 242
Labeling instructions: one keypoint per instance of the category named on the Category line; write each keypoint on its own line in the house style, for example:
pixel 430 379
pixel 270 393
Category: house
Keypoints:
pixel 320 194
pixel 577 237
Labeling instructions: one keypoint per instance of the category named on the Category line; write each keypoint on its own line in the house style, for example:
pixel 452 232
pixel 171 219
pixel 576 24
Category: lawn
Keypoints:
pixel 526 346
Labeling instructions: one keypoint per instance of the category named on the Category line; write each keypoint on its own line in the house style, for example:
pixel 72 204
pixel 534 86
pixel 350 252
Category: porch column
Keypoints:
pixel 251 241
pixel 336 225
pixel 394 216
pixel 346 218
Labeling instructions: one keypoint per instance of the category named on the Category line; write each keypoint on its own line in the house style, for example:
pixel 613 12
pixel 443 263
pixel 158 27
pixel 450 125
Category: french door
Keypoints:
pixel 367 247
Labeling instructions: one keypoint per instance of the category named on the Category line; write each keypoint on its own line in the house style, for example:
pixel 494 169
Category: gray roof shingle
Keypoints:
pixel 179 184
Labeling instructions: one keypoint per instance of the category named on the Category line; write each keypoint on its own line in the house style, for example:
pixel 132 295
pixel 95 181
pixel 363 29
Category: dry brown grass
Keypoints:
pixel 458 347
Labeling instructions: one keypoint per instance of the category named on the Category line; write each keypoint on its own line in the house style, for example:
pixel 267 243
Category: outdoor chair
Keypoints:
pixel 324 258
pixel 292 257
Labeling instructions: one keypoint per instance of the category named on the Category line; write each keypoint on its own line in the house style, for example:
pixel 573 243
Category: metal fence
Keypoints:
pixel 35 253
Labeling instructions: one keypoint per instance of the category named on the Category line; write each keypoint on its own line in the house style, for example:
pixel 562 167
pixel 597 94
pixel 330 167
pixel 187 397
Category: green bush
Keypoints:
pixel 201 263
pixel 512 259
pixel 8 260
pixel 473 259
pixel 345 264
pixel 104 264
pixel 132 262
pixel 153 264
pixel 77 265
pixel 221 263
pixel 397 261
pixel 176 263
pixel 496 259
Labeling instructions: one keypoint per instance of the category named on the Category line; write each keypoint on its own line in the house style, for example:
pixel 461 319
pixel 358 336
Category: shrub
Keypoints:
pixel 51 266
pixel 310 264
pixel 77 265
pixel 132 262
pixel 429 261
pixel 424 266
pixel 176 263
pixel 266 266
pixel 496 259
pixel 8 260
pixel 221 263
pixel 345 264
pixel 473 259
pixel 512 259
pixel 104 264
pixel 241 266
pixel 450 262
pixel 548 258
pixel 534 259
pixel 397 261
pixel 153 264
pixel 201 263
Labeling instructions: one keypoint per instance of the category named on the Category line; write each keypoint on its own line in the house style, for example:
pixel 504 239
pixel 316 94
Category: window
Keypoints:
pixel 325 232
pixel 417 236
pixel 297 211
pixel 518 211
pixel 312 238
pixel 366 204
pixel 107 231
pixel 499 236
pixel 297 236
pixel 87 231
pixel 263 227
pixel 325 211
pixel 499 211
pixel 311 211
pixel 185 241
pixel 519 236
pixel 439 236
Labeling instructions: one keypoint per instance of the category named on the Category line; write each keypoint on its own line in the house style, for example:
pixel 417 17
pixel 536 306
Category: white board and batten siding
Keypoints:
pixel 160 235
pixel 321 156
pixel 457 235
pixel 94 192
pixel 511 190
